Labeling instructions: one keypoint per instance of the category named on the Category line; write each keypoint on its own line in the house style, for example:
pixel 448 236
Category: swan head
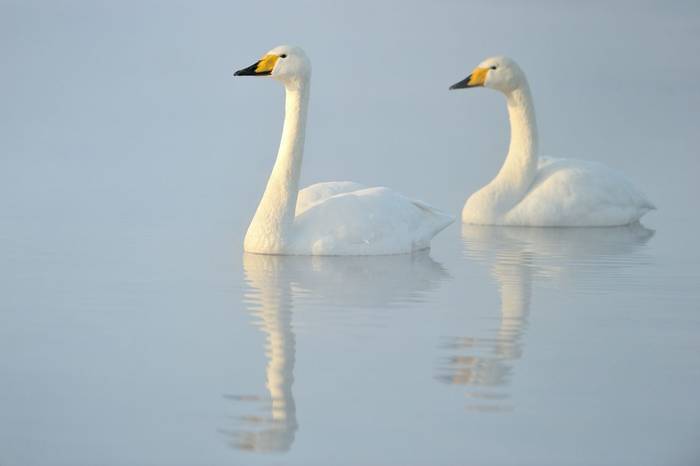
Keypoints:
pixel 286 63
pixel 500 73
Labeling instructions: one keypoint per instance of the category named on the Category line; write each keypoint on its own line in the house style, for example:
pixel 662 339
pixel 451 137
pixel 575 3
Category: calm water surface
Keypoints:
pixel 501 346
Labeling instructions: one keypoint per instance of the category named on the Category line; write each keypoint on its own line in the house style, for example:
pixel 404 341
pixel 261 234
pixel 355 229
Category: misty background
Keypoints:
pixel 131 162
pixel 128 110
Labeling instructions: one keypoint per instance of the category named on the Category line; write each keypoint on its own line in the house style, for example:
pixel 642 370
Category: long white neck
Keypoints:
pixel 274 217
pixel 518 171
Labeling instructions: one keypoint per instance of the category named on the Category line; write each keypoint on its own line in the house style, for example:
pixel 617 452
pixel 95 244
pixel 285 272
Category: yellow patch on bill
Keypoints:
pixel 266 64
pixel 478 77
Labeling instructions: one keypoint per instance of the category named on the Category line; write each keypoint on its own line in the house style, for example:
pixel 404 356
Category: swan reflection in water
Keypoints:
pixel 275 284
pixel 577 259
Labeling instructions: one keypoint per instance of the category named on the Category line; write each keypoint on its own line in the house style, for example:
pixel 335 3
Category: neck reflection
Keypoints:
pixel 275 284
pixel 269 301
pixel 577 259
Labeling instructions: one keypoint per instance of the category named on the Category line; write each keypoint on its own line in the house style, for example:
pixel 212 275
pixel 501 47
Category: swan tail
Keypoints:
pixel 439 219
pixel 646 206
pixel 645 209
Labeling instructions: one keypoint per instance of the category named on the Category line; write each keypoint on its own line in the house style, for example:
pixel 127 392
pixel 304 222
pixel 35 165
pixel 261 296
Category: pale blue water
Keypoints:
pixel 501 346
pixel 134 331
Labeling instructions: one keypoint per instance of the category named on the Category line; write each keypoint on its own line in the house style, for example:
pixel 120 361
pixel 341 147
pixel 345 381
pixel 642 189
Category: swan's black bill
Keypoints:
pixel 251 71
pixel 463 84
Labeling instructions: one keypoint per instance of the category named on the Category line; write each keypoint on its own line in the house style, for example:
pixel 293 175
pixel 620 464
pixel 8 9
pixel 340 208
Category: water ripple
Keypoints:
pixel 577 260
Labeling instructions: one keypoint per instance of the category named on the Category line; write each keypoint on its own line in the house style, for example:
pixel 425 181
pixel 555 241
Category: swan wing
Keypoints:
pixel 321 191
pixel 570 192
pixel 365 222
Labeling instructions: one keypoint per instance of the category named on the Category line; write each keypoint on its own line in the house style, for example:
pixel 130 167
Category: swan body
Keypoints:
pixel 336 218
pixel 536 191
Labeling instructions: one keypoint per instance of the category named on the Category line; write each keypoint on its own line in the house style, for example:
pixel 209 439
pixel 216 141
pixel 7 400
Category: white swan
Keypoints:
pixel 337 218
pixel 538 191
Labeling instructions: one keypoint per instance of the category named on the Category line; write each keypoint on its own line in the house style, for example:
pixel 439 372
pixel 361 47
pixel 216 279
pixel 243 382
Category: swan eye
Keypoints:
pixel 284 55
pixel 494 67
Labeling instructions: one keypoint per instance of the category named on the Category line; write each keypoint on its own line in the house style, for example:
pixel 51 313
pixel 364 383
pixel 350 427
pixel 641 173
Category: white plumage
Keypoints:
pixel 363 221
pixel 571 192
pixel 336 218
pixel 533 191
